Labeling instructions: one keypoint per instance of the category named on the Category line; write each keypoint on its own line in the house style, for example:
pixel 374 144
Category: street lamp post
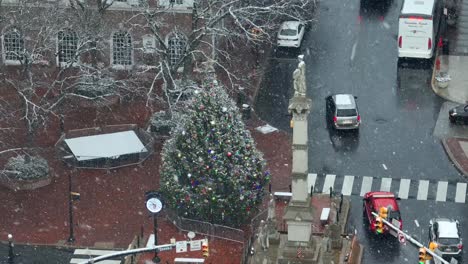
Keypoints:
pixel 71 238
pixel 11 254
pixel 156 258
pixel 154 205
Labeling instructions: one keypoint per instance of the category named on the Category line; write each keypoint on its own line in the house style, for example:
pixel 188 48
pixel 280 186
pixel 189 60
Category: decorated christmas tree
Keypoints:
pixel 211 170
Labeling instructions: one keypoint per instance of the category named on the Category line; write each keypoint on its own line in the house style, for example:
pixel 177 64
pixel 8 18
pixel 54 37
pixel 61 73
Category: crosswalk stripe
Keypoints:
pixel 366 185
pixel 460 195
pixel 347 185
pixel 423 189
pixel 329 181
pixel 441 195
pixel 76 261
pixel 311 178
pixel 403 192
pixel 386 184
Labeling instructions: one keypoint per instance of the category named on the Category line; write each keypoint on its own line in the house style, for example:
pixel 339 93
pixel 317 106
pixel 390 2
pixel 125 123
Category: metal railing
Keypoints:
pixel 65 154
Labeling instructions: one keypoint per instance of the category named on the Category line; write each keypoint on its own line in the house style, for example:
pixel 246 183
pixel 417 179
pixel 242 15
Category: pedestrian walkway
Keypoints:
pixel 81 255
pixel 440 191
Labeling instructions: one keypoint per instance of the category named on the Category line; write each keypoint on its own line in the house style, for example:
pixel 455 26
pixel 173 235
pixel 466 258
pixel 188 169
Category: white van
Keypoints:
pixel 418 28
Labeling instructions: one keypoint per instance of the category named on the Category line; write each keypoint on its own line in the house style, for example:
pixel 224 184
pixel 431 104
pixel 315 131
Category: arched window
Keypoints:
pixel 122 48
pixel 67 46
pixel 13 46
pixel 177 44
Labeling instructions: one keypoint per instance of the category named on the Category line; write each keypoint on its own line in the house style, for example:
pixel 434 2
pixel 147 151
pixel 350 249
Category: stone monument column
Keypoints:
pixel 298 214
pixel 299 245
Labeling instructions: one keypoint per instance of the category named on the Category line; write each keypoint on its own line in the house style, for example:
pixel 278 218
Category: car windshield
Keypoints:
pixel 288 32
pixel 394 215
pixel 448 241
pixel 346 112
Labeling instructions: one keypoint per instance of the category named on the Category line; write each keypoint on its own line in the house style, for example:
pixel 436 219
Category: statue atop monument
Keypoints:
pixel 299 76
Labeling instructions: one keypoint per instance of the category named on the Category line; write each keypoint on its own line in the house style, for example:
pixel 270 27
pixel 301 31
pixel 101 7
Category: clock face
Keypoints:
pixel 154 205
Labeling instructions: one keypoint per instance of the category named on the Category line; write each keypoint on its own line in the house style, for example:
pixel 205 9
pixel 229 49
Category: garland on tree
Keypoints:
pixel 211 170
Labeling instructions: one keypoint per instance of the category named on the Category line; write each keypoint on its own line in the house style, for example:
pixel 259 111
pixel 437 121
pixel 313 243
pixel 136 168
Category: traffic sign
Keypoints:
pixel 181 246
pixel 195 245
pixel 401 238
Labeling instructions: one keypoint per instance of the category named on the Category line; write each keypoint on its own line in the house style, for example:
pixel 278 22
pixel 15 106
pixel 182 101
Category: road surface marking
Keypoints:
pixel 460 195
pixel 347 185
pixel 366 185
pixel 329 181
pixel 353 51
pixel 385 167
pixel 404 188
pixel 416 223
pixel 441 195
pixel 386 184
pixel 311 178
pixel 423 189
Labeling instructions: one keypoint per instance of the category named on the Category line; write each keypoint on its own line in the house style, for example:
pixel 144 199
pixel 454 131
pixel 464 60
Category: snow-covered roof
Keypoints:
pixel 447 229
pixel 422 7
pixel 110 145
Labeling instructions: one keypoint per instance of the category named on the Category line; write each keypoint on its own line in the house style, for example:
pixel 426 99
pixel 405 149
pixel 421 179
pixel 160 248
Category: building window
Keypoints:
pixel 13 46
pixel 121 49
pixel 67 46
pixel 177 44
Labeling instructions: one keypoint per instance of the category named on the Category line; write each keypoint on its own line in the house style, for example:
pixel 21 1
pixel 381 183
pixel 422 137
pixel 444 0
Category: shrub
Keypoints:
pixel 22 168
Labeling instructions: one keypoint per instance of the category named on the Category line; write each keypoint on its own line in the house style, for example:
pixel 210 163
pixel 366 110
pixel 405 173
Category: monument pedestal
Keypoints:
pixel 290 252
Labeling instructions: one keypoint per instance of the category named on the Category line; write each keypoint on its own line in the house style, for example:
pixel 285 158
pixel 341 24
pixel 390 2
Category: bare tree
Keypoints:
pixel 213 21
pixel 60 52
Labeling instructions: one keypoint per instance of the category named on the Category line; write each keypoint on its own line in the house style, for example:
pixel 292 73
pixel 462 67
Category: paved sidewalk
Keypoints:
pixel 457 91
pixel 457 68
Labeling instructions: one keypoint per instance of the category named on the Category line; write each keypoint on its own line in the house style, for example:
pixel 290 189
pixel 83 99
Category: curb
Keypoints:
pixel 361 251
pixel 452 158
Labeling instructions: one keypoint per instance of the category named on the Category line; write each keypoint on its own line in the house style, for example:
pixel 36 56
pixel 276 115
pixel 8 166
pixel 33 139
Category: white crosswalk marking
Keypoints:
pixel 329 181
pixel 441 195
pixel 403 192
pixel 311 178
pixel 423 189
pixel 366 185
pixel 386 184
pixel 347 185
pixel 460 195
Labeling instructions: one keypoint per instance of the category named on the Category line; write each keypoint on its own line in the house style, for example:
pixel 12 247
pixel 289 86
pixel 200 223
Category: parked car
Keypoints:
pixel 373 202
pixel 459 115
pixel 446 234
pixel 291 34
pixel 342 111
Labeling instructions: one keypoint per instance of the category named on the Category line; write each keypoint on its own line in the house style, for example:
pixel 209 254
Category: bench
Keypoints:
pixel 283 195
pixel 324 216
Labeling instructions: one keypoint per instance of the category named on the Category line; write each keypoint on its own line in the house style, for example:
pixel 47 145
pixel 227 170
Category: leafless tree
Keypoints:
pixel 42 88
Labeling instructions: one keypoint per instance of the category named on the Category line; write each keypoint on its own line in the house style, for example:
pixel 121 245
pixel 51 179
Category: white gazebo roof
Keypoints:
pixel 110 145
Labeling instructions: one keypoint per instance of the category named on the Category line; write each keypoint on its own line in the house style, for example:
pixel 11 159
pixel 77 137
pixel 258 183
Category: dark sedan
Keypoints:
pixel 459 115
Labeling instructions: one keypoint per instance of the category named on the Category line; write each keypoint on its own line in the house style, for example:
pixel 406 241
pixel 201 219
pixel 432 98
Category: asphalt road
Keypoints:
pixel 352 49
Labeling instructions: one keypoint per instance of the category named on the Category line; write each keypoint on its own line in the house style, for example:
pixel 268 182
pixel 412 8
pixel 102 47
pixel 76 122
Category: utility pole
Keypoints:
pixel 412 240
